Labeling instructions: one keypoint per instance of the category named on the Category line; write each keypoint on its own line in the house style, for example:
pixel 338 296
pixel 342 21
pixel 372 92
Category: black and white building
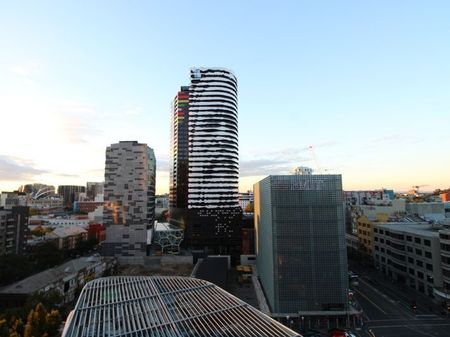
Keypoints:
pixel 204 196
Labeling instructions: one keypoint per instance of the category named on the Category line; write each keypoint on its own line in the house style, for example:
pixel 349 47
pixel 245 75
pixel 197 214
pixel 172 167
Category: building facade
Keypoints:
pixel 410 254
pixel 443 293
pixel 205 166
pixel 300 243
pixel 93 189
pixel 245 199
pixel 70 193
pixel 129 192
pixel 13 230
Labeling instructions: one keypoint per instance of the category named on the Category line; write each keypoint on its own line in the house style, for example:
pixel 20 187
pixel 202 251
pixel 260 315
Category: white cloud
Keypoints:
pixel 25 70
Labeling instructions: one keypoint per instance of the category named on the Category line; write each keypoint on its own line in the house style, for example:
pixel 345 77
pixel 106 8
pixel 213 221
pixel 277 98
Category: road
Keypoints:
pixel 388 313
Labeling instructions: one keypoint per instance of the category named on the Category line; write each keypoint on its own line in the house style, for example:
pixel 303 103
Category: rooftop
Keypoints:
pixel 423 229
pixel 165 306
pixel 43 279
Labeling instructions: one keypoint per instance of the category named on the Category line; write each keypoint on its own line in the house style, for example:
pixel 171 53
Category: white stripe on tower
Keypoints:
pixel 213 139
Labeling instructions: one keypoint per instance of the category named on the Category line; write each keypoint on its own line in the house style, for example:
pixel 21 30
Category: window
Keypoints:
pixel 408 238
pixel 418 251
pixel 376 239
pixel 417 240
pixel 429 267
pixel 375 230
pixel 428 255
pixel 427 243
pixel 381 231
pixel 420 275
pixel 410 260
pixel 419 263
pixel 411 271
pixel 409 249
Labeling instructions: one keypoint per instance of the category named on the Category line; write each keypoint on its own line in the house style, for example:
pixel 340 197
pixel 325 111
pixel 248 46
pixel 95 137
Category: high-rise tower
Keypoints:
pixel 300 243
pixel 129 193
pixel 205 163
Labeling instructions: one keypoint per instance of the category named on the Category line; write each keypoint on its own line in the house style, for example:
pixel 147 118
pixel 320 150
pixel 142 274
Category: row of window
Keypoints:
pixel 409 238
pixel 409 249
pixel 419 263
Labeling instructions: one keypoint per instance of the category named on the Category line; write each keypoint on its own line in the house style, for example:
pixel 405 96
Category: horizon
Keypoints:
pixel 349 88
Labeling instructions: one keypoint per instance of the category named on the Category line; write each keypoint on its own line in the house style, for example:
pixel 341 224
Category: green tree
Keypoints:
pixel 48 255
pixel 41 323
pixel 249 208
pixel 4 331
pixel 50 299
pixel 36 325
pixel 10 271
pixel 16 327
pixel 53 322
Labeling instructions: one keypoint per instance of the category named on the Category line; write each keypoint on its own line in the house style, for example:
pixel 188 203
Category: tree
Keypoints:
pixel 50 299
pixel 249 208
pixel 48 255
pixel 53 321
pixel 41 323
pixel 10 271
pixel 35 326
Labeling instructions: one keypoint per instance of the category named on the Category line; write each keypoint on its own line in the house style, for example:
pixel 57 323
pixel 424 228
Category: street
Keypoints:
pixel 388 312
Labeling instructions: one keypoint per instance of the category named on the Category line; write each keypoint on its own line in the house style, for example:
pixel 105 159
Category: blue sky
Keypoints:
pixel 366 83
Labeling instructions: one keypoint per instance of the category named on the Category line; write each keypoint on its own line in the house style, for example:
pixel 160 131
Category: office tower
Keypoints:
pixel 301 253
pixel 93 189
pixel 168 306
pixel 129 192
pixel 13 230
pixel 70 193
pixel 205 166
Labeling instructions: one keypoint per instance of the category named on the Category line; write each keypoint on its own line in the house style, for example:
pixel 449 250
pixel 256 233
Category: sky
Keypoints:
pixel 358 88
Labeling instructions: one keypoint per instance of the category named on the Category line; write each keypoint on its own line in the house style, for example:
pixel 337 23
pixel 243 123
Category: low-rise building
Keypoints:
pixel 86 206
pixel 365 231
pixel 245 199
pixel 59 222
pixel 67 237
pixel 410 254
pixel 66 279
pixel 443 293
pixel 430 211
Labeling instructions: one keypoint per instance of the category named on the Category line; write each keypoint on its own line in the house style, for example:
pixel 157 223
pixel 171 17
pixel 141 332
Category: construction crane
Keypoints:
pixel 313 154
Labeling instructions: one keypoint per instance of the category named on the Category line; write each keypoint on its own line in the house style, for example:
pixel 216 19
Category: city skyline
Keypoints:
pixel 364 84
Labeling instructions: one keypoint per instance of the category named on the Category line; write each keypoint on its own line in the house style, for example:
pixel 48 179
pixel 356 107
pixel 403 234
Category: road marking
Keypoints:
pixel 421 332
pixel 409 325
pixel 390 299
pixel 376 305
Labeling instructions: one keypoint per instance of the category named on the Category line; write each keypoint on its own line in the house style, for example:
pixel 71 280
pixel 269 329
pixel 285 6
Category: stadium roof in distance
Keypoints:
pixel 165 306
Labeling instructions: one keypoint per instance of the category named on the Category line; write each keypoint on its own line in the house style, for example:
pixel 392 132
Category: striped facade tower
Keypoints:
pixel 204 198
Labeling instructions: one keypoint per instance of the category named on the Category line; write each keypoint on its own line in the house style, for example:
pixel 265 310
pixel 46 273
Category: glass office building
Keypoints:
pixel 301 252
